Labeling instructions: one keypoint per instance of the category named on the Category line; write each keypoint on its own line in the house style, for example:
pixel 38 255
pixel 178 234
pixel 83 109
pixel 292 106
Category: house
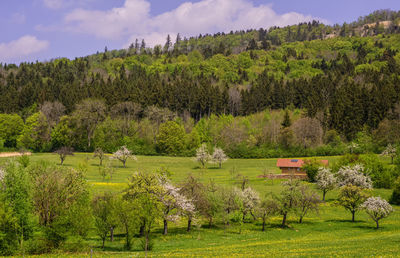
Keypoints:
pixel 293 166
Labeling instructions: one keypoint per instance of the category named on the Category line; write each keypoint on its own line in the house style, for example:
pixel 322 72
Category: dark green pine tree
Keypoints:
pixel 286 120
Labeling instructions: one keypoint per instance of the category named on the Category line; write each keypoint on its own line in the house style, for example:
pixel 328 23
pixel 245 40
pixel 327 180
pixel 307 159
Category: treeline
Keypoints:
pixel 160 131
pixel 46 208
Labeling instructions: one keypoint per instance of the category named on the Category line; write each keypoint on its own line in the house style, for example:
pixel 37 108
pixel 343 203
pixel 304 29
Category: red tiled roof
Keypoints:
pixel 295 163
pixel 289 163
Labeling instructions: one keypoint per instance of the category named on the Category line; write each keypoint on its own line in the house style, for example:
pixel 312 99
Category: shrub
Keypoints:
pixel 311 167
pixel 395 198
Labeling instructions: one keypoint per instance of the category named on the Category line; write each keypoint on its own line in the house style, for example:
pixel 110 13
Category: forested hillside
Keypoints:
pixel 337 83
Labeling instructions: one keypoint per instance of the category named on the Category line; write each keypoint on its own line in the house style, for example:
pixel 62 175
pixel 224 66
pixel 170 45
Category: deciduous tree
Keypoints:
pixel 219 156
pixel 326 181
pixel 123 154
pixel 63 152
pixel 202 155
pixel 377 208
pixel 351 197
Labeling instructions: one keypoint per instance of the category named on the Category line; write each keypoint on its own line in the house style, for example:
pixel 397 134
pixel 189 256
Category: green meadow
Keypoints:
pixel 327 233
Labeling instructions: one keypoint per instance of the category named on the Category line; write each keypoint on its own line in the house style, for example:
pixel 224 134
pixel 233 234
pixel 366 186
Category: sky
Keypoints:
pixel 44 29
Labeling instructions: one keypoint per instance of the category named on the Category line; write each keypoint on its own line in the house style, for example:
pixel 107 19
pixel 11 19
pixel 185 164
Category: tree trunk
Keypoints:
pixel 189 225
pixel 101 162
pixel 104 240
pixel 301 219
pixel 284 220
pixel 112 234
pixel 146 247
pixel 263 225
pixel 141 230
pixel 62 160
pixel 165 227
pixel 352 216
pixel 124 161
pixel 128 242
pixel 377 224
pixel 323 195
pixel 210 222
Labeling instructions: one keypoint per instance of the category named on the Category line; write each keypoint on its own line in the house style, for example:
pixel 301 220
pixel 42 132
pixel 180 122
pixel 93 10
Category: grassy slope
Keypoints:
pixel 329 233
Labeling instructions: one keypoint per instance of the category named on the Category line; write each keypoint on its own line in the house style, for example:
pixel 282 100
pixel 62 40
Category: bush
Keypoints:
pixel 395 198
pixel 381 175
pixel 311 167
pixel 38 246
pixel 24 160
pixel 75 244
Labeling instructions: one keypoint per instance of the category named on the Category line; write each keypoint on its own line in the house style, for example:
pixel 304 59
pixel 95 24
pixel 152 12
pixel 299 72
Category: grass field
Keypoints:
pixel 329 233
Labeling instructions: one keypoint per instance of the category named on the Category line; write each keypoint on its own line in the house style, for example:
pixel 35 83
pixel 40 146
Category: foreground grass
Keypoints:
pixel 329 233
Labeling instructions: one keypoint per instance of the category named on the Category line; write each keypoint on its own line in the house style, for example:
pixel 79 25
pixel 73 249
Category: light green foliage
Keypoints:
pixel 68 132
pixel 351 197
pixel 9 229
pixel 61 199
pixel 109 135
pixel 171 138
pixel 18 195
pixel 11 126
pixel 35 134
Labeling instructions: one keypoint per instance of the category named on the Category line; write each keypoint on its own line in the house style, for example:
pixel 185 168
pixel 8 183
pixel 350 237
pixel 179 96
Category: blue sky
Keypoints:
pixel 43 29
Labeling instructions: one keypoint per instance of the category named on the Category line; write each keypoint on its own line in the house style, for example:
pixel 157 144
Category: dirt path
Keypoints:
pixel 12 154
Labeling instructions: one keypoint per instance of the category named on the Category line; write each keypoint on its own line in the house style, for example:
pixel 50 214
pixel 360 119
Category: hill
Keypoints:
pixel 346 77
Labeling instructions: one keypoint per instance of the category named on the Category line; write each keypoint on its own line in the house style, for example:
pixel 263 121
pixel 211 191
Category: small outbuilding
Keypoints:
pixel 294 166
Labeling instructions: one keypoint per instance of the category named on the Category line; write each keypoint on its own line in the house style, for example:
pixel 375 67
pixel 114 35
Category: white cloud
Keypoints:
pixel 133 19
pixel 22 47
pixel 112 24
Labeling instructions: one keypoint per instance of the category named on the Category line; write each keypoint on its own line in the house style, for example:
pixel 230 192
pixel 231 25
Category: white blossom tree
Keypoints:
pixel 219 156
pixel 326 181
pixel 123 154
pixel 354 175
pixel 202 155
pixel 250 200
pixel 390 151
pixel 352 147
pixel 377 208
pixel 174 204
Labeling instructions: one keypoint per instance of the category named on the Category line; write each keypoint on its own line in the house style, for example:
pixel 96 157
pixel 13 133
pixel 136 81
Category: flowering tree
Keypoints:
pixel 390 151
pixel 202 155
pixel 351 197
pixel 123 154
pixel 352 147
pixel 377 208
pixel 354 175
pixel 219 156
pixel 326 181
pixel 174 204
pixel 250 200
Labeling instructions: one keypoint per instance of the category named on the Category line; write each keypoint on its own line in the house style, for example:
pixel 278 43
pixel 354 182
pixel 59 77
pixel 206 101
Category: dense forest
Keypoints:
pixel 305 89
